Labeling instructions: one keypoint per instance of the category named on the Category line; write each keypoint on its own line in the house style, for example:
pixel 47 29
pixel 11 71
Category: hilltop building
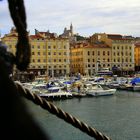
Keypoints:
pixel 69 33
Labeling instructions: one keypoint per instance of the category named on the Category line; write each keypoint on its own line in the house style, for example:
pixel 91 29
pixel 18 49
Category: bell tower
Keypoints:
pixel 71 29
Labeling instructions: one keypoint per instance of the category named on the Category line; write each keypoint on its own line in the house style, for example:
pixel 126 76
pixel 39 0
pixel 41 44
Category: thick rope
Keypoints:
pixel 17 11
pixel 60 113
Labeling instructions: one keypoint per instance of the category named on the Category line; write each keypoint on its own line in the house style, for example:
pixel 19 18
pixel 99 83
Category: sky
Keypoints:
pixel 87 16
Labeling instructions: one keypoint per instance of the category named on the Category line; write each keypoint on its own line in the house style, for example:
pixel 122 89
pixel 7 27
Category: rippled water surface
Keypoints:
pixel 116 116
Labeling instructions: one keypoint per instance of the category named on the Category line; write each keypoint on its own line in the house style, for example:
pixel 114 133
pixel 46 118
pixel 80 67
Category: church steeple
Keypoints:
pixel 71 28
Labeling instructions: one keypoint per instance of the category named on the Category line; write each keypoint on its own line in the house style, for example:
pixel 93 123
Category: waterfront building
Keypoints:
pixel 88 58
pixel 50 54
pixel 57 53
pixel 137 56
pixel 122 57
pixel 11 40
pixel 38 55
pixel 58 56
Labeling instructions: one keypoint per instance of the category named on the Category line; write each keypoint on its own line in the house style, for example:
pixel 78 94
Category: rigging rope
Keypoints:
pixel 60 113
pixel 17 11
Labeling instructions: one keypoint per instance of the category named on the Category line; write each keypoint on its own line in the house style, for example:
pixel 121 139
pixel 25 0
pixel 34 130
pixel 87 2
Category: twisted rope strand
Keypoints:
pixel 60 113
pixel 17 12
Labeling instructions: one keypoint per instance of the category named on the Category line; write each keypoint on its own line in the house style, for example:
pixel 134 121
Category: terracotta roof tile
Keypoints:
pixel 137 44
pixel 36 37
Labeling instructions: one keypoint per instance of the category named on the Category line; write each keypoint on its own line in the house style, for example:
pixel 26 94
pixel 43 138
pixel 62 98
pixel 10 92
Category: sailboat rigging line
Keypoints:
pixel 60 113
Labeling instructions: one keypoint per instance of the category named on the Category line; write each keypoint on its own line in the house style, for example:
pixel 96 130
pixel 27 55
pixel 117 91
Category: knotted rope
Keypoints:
pixel 60 113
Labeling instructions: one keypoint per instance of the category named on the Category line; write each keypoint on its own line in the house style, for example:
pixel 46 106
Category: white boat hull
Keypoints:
pixel 101 92
pixel 136 88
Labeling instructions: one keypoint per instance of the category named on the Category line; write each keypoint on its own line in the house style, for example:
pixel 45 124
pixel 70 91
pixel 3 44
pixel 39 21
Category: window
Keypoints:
pixel 33 53
pixel 49 47
pixel 103 52
pixel 88 53
pixel 38 53
pixel 108 53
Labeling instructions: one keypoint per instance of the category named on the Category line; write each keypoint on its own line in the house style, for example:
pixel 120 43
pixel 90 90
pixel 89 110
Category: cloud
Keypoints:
pixel 87 16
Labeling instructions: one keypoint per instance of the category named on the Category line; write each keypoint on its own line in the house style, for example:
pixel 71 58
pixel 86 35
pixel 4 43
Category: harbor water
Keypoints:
pixel 116 116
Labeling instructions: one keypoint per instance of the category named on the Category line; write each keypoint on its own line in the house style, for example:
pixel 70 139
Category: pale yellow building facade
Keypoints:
pixel 50 54
pixel 122 48
pixel 58 56
pixel 123 55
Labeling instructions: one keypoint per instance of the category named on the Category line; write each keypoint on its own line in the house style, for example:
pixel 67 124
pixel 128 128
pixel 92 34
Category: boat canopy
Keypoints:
pixel 135 80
